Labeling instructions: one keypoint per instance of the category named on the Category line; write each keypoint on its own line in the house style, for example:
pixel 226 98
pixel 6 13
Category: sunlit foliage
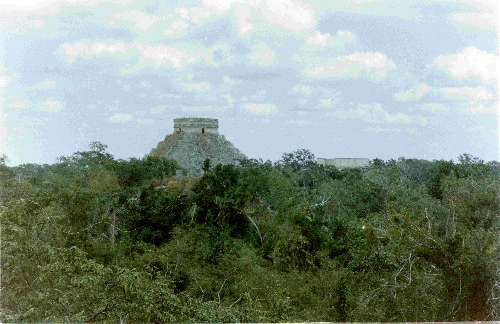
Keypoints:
pixel 92 238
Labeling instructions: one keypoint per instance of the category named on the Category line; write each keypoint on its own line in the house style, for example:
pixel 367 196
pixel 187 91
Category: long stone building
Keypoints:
pixel 194 140
pixel 343 163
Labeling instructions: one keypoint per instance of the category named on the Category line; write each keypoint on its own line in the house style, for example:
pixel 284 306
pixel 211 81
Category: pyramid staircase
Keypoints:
pixel 193 141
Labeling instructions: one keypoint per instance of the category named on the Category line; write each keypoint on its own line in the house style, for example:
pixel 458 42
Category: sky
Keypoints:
pixel 341 78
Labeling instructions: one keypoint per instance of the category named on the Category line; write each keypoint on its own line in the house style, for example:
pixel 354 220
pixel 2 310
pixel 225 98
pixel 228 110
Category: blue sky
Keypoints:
pixel 353 78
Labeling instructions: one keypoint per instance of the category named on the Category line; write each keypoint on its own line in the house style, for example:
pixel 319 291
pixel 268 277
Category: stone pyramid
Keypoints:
pixel 193 141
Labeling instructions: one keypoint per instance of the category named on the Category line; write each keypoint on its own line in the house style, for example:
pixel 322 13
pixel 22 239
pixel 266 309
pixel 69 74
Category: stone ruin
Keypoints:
pixel 343 163
pixel 194 140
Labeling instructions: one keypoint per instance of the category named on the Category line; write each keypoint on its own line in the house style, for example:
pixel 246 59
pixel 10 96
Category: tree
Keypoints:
pixel 137 172
pixel 297 160
pixel 5 172
pixel 82 163
pixel 378 162
pixel 471 166
pixel 435 174
pixel 3 159
pixel 152 215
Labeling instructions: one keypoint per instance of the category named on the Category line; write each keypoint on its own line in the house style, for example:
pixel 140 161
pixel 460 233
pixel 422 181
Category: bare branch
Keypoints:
pixel 93 316
pixel 256 227
pixel 323 202
pixel 234 302
pixel 202 292
pixel 218 294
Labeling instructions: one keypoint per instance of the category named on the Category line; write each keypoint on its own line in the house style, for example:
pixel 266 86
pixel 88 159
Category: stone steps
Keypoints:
pixel 190 149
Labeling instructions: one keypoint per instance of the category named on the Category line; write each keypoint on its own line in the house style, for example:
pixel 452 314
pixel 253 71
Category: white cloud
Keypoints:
pixel 368 113
pixel 120 118
pixel 35 24
pixel 471 63
pixel 158 109
pixel 476 21
pixel 262 55
pixel 481 94
pixel 219 5
pixel 20 23
pixel 260 109
pixel 475 5
pixel 168 56
pixel 176 28
pixel 155 54
pixel 201 108
pixel 346 35
pixel 328 103
pixel 139 20
pixel 434 107
pixel 358 65
pixel 374 113
pixel 230 81
pixel 86 50
pixel 419 120
pixel 5 79
pixel 319 91
pixel 408 10
pixel 259 96
pixel 319 40
pixel 467 107
pixel 322 48
pixel 141 121
pixel 199 87
pixel 299 122
pixel 18 105
pixel 195 14
pixel 43 85
pixel 176 56
pixel 289 14
pixel 414 93
pixel 301 89
pixel 37 5
pixel 243 17
pixel 144 84
pixel 230 100
pixel 397 118
pixel 482 109
pixel 473 98
pixel 22 17
pixel 50 106
pixel 322 97
pixel 378 129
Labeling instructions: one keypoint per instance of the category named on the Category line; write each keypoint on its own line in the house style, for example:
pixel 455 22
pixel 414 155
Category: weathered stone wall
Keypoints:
pixel 343 163
pixel 196 125
pixel 193 141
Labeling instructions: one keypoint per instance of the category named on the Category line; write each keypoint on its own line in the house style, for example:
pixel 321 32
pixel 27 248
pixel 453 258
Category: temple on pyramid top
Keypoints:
pixel 195 139
pixel 197 125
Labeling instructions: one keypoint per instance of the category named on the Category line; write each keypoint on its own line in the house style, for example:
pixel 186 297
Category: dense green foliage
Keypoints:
pixel 92 238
